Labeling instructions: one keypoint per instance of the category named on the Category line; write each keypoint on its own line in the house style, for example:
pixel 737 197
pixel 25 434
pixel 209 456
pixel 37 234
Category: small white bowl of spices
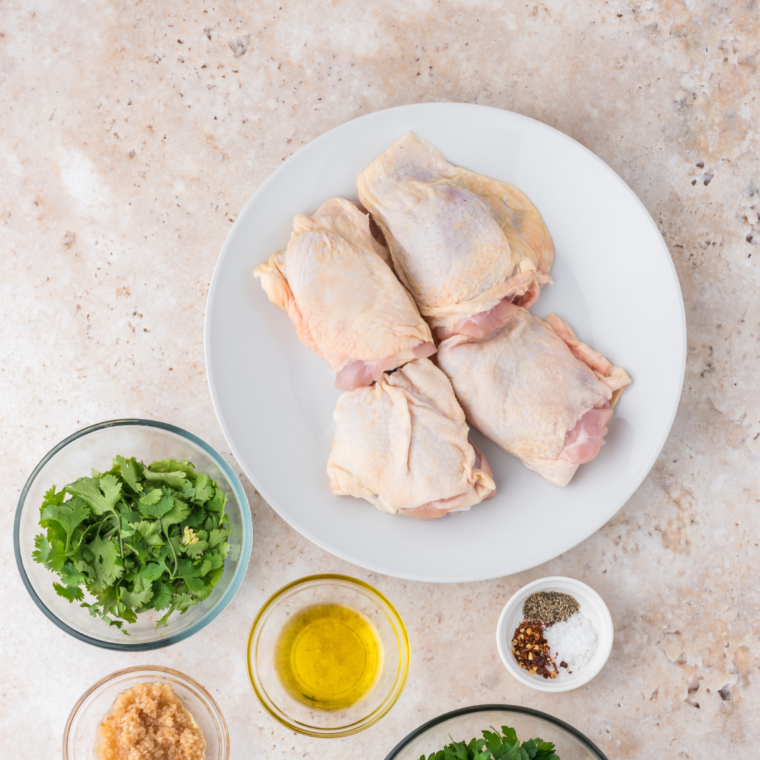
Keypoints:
pixel 555 634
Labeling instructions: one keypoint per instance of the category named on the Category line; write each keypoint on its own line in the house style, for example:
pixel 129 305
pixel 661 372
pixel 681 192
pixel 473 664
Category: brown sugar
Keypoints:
pixel 149 722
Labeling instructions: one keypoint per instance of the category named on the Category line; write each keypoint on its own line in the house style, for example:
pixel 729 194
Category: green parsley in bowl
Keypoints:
pixel 496 732
pixel 132 534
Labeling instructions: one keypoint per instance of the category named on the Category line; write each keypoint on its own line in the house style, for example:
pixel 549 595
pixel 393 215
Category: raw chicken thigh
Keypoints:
pixel 463 244
pixel 402 445
pixel 536 390
pixel 336 285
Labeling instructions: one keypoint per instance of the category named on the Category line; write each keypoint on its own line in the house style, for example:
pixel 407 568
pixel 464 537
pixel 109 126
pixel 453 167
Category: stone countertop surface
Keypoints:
pixel 131 136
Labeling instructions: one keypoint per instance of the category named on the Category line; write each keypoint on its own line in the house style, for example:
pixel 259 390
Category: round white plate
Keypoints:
pixel 615 284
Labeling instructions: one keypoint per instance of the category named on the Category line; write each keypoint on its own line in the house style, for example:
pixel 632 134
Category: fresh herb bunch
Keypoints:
pixel 496 746
pixel 136 538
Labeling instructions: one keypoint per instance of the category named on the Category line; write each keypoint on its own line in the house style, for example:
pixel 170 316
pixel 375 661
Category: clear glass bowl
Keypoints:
pixel 95 447
pixel 328 589
pixel 80 737
pixel 469 722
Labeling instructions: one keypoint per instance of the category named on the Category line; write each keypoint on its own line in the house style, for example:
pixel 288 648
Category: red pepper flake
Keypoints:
pixel 531 649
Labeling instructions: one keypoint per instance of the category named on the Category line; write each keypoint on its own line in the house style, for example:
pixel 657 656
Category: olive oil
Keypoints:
pixel 328 656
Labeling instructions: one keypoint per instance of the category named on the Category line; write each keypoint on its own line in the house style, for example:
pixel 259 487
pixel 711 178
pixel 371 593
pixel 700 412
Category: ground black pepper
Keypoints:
pixel 550 607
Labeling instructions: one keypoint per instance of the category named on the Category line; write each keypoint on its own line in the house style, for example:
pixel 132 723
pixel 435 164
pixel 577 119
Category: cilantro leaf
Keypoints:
pixel 180 602
pixel 159 508
pixel 137 599
pixel 49 553
pixel 111 489
pixel 163 557
pixel 183 601
pixel 152 571
pixel 172 479
pixel 126 613
pixel 162 597
pixel 188 491
pixel 215 576
pixel 54 497
pixel 216 537
pixel 187 568
pixel 148 530
pixel 196 517
pixel 68 515
pixel 71 576
pixel 151 497
pixel 173 465
pixel 73 594
pixel 131 471
pixel 137 548
pixel 190 574
pixel 177 514
pixel 493 740
pixel 218 500
pixel 126 528
pixel 106 556
pixel 196 549
pixel 89 489
pixel 204 488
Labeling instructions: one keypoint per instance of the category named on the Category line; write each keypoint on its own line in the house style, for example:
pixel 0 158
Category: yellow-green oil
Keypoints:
pixel 328 656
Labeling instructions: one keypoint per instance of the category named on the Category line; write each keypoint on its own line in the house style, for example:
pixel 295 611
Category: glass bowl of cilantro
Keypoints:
pixel 132 534
pixel 496 732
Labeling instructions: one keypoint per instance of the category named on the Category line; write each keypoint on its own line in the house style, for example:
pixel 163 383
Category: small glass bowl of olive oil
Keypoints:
pixel 328 656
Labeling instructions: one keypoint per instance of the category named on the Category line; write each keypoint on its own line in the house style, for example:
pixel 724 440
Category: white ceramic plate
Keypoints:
pixel 614 283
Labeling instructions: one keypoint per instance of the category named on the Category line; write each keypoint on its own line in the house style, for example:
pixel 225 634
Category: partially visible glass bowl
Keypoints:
pixel 328 589
pixel 95 447
pixel 80 737
pixel 469 722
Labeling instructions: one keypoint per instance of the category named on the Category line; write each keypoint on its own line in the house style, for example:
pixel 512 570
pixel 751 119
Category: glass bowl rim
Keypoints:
pixel 584 740
pixel 224 600
pixel 149 669
pixel 404 648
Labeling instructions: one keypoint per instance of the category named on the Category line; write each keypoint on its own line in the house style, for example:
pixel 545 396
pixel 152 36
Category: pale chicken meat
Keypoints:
pixel 336 285
pixel 463 244
pixel 402 444
pixel 536 390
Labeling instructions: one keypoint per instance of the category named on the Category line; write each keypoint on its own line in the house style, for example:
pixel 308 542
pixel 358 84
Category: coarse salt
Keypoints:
pixel 572 641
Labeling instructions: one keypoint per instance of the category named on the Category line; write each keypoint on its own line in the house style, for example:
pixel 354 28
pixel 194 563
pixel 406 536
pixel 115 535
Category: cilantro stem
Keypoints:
pixel 84 533
pixel 174 554
pixel 118 529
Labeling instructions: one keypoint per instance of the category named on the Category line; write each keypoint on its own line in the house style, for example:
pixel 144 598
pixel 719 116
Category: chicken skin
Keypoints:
pixel 536 390
pixel 402 444
pixel 461 243
pixel 336 285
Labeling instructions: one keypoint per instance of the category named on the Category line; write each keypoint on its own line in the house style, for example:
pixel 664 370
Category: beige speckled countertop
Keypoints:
pixel 131 135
